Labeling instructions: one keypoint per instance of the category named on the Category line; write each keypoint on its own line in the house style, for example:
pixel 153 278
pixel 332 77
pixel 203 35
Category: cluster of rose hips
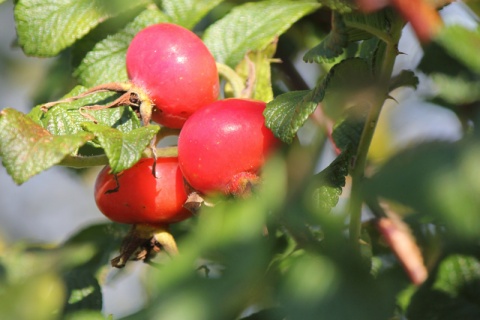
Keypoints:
pixel 222 144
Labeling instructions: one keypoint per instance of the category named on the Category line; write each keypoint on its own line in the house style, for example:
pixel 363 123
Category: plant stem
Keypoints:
pixel 237 83
pixel 102 160
pixel 380 93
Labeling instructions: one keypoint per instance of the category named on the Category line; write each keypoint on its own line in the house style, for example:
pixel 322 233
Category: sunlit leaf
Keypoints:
pixel 289 111
pixel 244 29
pixel 67 118
pixel 122 149
pixel 188 13
pixel 28 149
pixel 46 27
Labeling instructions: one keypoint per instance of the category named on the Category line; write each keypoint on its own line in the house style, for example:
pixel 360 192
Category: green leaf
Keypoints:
pixel 456 89
pixel 406 78
pixel 332 45
pixel 454 293
pixel 328 184
pixel 46 27
pixel 255 70
pixel 342 6
pixel 122 149
pixel 364 26
pixel 84 292
pixel 244 29
pixel 439 181
pixel 27 149
pixel 188 13
pixel 288 112
pixel 106 62
pixel 462 44
pixel 347 131
pixel 347 85
pixel 67 118
pixel 87 315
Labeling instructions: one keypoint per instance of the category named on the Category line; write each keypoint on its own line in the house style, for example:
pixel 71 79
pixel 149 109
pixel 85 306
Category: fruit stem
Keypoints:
pixel 237 83
pixel 378 98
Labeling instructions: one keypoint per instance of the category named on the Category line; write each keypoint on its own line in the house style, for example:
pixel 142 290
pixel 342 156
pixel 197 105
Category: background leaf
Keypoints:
pixel 106 61
pixel 188 13
pixel 244 29
pixel 439 181
pixel 452 294
pixel 27 149
pixel 47 27
pixel 462 44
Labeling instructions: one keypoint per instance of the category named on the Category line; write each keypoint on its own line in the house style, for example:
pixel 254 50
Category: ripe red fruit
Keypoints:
pixel 176 70
pixel 222 146
pixel 141 198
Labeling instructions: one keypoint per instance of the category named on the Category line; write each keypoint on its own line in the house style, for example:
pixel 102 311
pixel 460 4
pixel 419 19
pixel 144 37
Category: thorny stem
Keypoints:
pixel 376 103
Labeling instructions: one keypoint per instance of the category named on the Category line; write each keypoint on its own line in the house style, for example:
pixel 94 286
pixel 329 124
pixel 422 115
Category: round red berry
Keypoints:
pixel 175 69
pixel 223 146
pixel 136 196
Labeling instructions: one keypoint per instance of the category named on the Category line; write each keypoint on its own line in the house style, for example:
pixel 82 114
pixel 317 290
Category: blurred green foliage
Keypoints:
pixel 283 253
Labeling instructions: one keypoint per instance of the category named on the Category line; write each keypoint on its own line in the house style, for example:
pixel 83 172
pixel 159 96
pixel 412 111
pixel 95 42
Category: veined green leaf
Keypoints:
pixel 453 294
pixel 289 111
pixel 328 184
pixel 46 27
pixel 28 149
pixel 253 26
pixel 342 6
pixel 363 26
pixel 67 118
pixel 106 62
pixel 332 45
pixel 122 149
pixel 347 131
pixel 348 84
pixel 188 13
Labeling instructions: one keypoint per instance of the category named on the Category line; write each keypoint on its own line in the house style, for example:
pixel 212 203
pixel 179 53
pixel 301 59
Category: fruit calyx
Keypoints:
pixel 143 242
pixel 131 95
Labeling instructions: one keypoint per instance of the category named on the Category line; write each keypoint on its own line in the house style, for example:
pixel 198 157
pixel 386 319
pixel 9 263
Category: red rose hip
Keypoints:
pixel 223 146
pixel 175 69
pixel 141 198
